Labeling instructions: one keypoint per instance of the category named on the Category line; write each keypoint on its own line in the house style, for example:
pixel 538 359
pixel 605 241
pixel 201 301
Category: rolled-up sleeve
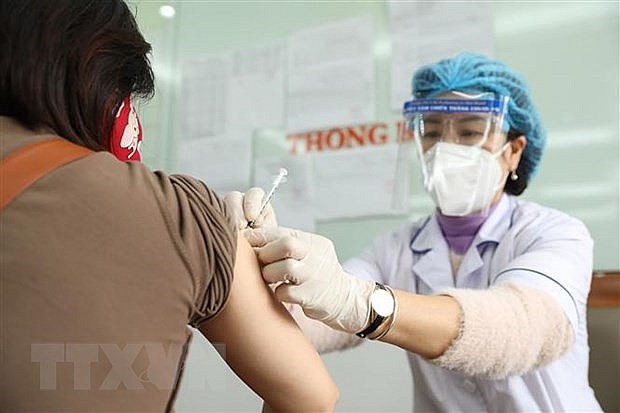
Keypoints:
pixel 205 238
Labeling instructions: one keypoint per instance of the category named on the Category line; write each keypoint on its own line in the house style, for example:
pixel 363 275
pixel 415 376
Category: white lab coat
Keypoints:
pixel 522 242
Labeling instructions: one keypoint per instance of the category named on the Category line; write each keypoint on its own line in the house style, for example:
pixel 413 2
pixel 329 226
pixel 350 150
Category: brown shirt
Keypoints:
pixel 103 264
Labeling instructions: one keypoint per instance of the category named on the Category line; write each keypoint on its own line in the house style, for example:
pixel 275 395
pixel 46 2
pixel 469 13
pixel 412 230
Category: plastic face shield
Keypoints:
pixel 473 121
pixel 465 121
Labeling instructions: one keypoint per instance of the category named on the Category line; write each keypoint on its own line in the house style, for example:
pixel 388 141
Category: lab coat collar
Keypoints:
pixel 434 267
pixel 497 223
pixel 426 236
pixel 429 236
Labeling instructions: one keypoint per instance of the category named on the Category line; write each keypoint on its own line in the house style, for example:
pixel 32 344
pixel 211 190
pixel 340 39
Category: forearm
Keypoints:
pixel 425 325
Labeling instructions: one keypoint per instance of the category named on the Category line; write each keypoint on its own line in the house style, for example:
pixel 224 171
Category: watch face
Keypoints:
pixel 382 302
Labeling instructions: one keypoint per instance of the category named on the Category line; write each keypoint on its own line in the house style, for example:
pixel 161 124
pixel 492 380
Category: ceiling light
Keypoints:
pixel 167 11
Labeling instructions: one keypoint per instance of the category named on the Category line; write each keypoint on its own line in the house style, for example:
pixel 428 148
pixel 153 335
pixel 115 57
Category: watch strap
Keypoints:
pixel 376 321
pixel 385 329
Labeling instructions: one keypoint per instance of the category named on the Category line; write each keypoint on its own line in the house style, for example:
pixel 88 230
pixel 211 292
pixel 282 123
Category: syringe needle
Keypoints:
pixel 279 179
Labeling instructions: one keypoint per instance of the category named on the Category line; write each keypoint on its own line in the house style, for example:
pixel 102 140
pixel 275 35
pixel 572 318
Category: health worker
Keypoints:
pixel 488 293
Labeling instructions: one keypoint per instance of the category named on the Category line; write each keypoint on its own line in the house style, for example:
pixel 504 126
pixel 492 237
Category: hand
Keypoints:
pixel 311 276
pixel 244 208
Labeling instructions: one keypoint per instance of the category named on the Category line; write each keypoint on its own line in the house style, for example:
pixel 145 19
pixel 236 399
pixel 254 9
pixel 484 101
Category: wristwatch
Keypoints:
pixel 382 306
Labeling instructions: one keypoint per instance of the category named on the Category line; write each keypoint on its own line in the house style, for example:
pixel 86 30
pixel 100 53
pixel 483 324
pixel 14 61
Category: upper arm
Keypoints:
pixel 264 346
pixel 554 257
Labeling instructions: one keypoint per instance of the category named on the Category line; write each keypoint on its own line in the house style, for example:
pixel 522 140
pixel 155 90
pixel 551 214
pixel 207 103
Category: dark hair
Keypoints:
pixel 517 186
pixel 68 64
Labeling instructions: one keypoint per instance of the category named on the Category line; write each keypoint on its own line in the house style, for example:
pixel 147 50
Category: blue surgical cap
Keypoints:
pixel 473 73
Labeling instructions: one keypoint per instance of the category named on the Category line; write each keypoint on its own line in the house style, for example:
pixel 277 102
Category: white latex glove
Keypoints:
pixel 245 208
pixel 311 276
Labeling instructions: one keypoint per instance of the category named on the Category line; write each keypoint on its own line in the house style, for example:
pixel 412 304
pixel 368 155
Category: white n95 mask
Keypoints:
pixel 461 179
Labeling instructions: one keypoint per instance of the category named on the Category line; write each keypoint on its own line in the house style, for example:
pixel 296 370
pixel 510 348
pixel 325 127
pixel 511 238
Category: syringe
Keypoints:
pixel 277 181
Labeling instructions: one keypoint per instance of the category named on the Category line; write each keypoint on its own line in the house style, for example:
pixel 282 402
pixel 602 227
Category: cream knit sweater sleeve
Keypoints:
pixel 506 330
